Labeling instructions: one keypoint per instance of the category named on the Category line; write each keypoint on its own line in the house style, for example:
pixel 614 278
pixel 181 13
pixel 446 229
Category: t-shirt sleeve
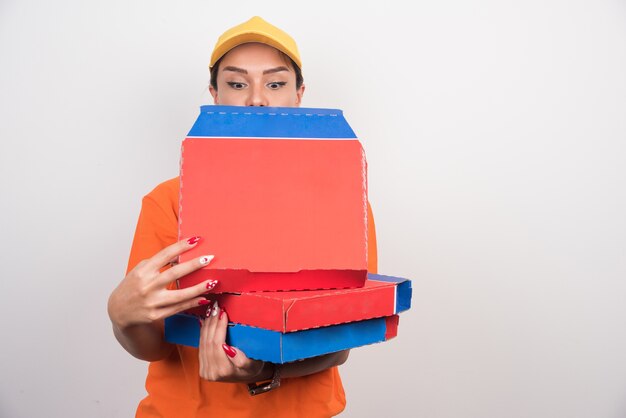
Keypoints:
pixel 372 252
pixel 157 226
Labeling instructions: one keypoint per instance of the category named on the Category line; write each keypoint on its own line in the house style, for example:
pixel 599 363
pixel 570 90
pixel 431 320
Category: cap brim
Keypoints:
pixel 250 37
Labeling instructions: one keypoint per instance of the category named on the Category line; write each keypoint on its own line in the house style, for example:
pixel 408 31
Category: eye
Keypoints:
pixel 275 85
pixel 236 85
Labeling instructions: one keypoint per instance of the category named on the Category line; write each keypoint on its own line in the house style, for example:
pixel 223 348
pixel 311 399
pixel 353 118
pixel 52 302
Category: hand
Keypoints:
pixel 142 297
pixel 220 362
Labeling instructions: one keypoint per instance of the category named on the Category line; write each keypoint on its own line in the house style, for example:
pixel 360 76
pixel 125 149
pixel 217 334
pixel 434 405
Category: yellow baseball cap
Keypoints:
pixel 256 30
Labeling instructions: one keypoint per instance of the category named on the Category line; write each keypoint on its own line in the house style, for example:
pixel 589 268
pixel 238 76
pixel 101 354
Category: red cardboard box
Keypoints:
pixel 278 213
pixel 299 310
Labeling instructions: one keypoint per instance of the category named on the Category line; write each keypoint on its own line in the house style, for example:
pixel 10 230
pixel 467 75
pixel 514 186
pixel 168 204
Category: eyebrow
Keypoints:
pixel 276 70
pixel 244 71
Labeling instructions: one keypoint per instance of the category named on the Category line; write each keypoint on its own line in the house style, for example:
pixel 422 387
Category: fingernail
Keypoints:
pixel 215 309
pixel 211 284
pixel 230 352
pixel 206 259
pixel 203 302
pixel 193 240
pixel 222 310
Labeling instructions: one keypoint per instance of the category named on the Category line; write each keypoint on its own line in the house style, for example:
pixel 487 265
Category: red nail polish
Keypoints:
pixel 230 352
pixel 193 240
pixel 221 313
pixel 211 284
pixel 203 302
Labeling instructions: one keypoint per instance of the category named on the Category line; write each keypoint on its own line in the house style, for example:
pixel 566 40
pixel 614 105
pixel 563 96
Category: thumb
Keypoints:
pixel 239 359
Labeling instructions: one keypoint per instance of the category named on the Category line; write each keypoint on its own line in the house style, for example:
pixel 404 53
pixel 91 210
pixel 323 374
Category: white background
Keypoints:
pixel 494 132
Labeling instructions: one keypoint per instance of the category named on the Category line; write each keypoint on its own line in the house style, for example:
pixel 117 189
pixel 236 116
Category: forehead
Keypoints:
pixel 254 54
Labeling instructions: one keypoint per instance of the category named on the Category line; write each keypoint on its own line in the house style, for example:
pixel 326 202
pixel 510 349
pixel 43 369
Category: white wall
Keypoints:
pixel 495 137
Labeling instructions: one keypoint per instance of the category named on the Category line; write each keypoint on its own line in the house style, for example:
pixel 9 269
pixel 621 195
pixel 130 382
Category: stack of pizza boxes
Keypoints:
pixel 279 196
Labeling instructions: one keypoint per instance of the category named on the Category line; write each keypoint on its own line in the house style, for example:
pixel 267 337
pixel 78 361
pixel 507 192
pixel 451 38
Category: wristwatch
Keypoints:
pixel 258 388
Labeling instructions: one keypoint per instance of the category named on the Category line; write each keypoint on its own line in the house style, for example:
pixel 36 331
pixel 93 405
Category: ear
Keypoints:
pixel 213 91
pixel 299 94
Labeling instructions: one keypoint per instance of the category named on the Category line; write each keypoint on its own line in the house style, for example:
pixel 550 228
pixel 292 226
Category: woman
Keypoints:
pixel 253 64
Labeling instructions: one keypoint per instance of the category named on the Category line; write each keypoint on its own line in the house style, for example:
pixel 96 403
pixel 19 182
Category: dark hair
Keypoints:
pixel 296 69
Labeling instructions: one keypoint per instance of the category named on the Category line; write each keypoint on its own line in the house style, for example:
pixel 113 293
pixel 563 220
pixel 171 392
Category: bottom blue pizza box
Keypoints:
pixel 277 347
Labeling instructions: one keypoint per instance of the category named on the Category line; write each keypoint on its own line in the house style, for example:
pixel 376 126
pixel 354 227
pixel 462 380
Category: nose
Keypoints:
pixel 257 96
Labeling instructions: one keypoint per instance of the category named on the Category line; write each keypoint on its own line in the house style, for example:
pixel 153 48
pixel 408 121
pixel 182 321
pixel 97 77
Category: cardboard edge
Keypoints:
pixel 286 309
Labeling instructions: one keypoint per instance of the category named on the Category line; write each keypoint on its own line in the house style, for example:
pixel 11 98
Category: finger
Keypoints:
pixel 221 327
pixel 180 270
pixel 239 359
pixel 203 334
pixel 177 296
pixel 212 319
pixel 231 353
pixel 172 309
pixel 203 356
pixel 212 348
pixel 164 256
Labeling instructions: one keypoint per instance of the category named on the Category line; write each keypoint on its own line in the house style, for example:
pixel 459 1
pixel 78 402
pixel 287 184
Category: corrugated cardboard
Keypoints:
pixel 279 196
pixel 277 347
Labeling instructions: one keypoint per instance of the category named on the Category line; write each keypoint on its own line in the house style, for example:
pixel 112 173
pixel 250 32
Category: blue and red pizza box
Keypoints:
pixel 287 326
pixel 279 196
pixel 278 347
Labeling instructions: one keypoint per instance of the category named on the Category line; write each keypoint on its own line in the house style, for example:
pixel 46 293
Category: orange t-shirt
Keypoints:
pixel 174 386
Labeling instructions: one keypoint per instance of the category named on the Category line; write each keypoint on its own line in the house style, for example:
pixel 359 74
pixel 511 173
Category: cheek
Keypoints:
pixel 288 98
pixel 229 97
